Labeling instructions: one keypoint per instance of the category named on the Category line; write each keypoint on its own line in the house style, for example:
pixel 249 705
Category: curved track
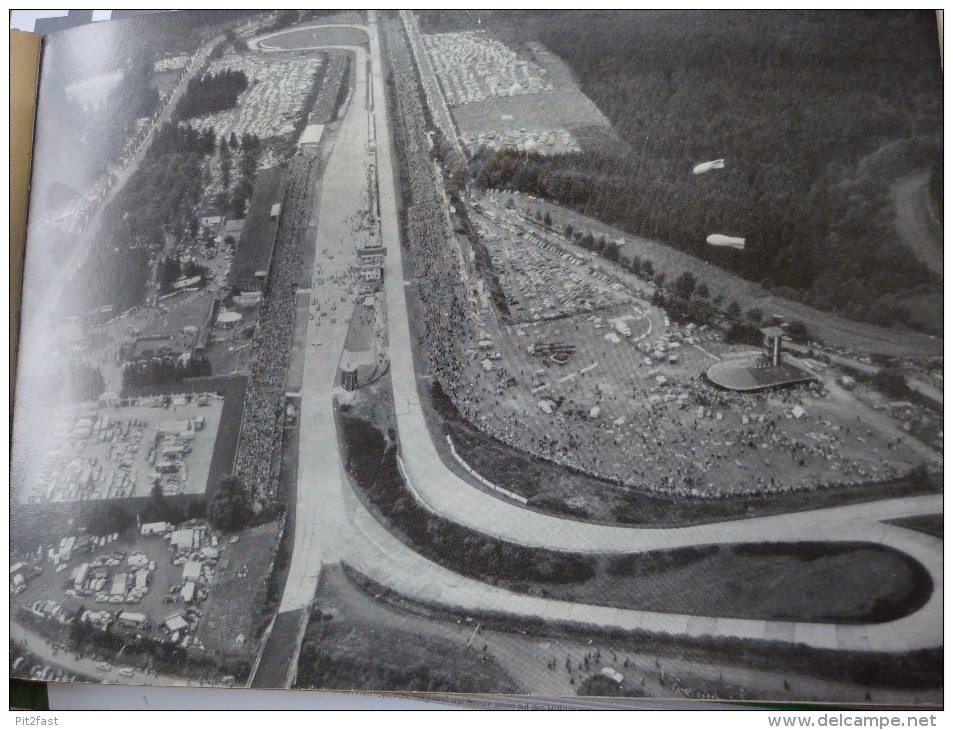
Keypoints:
pixel 335 526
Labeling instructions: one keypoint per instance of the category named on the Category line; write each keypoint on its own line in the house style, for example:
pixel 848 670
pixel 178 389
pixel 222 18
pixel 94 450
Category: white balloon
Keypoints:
pixel 706 166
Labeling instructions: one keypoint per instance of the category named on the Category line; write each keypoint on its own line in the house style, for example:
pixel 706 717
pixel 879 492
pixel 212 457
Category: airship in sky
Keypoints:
pixel 706 166
pixel 717 239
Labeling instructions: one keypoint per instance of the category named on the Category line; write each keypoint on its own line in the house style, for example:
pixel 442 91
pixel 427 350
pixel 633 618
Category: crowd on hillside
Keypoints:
pixel 325 106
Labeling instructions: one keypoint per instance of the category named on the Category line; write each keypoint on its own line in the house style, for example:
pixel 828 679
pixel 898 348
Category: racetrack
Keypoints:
pixel 456 499
pixel 333 525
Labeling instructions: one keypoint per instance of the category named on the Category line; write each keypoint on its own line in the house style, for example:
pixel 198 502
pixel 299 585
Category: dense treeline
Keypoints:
pixel 372 462
pixel 172 269
pixel 158 201
pixel 245 155
pixel 164 370
pixel 815 113
pixel 76 144
pixel 211 93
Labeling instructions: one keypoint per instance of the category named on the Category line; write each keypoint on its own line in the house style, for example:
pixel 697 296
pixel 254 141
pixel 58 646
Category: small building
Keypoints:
pixel 191 571
pixel 184 539
pixel 612 674
pixel 310 139
pixel 174 428
pixel 79 575
pixel 175 623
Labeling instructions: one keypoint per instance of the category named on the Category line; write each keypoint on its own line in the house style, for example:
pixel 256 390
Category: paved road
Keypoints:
pixel 343 191
pixel 41 647
pixel 917 225
pixel 378 554
pixel 449 495
pixel 336 526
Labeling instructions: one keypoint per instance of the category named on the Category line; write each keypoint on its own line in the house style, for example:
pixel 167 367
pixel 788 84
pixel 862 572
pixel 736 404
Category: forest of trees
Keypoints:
pixel 163 370
pixel 210 94
pixel 815 113
pixel 158 201
pixel 239 158
pixel 172 269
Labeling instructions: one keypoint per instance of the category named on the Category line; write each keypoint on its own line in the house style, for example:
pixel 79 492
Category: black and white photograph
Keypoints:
pixel 580 354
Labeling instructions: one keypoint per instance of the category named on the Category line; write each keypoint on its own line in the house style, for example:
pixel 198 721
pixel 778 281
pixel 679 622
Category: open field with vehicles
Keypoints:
pixel 503 99
pixel 836 331
pixel 123 451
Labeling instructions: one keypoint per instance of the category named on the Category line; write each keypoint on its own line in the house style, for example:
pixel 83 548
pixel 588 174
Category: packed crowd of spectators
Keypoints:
pixel 325 106
pixel 430 238
pixel 256 462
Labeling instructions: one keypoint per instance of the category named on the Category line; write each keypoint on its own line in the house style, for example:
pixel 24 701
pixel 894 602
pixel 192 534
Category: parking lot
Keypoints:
pixel 118 451
pixel 277 90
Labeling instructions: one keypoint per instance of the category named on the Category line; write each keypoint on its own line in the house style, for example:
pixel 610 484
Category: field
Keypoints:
pixel 503 99
pixel 231 614
pixel 618 391
pixel 352 643
pixel 786 582
pixel 809 165
pixel 119 459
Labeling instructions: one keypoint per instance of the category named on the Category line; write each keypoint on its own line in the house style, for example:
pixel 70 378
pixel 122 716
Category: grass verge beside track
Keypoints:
pixel 784 581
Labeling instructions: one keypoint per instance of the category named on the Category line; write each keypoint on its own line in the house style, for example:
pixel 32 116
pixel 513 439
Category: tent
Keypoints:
pixel 176 623
pixel 191 570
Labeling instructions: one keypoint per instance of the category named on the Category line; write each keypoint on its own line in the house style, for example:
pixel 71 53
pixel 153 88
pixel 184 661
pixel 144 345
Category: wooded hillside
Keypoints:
pixel 815 113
